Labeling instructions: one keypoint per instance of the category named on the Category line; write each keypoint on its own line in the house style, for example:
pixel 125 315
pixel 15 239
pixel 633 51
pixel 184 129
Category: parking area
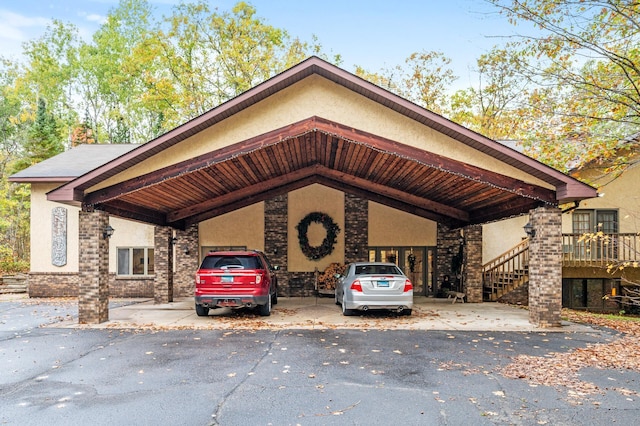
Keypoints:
pixel 321 313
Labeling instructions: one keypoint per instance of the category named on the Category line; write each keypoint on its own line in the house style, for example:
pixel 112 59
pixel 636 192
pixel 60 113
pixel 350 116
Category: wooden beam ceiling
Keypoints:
pixel 320 151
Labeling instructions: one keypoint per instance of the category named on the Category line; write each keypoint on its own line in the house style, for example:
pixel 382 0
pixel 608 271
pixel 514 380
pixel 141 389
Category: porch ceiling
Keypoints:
pixel 324 152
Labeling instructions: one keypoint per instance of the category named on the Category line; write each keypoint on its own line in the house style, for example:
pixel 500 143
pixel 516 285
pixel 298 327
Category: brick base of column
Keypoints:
pixel 187 258
pixel 545 268
pixel 473 263
pixel 276 238
pixel 93 277
pixel 356 229
pixel 163 257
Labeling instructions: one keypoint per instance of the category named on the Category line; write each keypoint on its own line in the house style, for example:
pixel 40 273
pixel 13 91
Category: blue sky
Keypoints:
pixel 370 33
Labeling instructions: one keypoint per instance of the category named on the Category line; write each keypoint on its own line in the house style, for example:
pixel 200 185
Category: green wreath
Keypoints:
pixel 324 249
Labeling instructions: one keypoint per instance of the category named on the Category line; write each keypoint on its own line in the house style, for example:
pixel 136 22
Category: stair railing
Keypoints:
pixel 506 271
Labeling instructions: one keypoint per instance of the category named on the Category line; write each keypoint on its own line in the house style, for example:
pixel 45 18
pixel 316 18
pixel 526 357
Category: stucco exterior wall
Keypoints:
pixel 316 96
pixel 498 237
pixel 620 193
pixel 127 233
pixel 243 227
pixel 41 232
pixel 391 227
pixel 314 198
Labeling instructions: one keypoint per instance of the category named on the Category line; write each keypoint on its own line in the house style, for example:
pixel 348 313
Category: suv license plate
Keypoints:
pixel 227 279
pixel 383 283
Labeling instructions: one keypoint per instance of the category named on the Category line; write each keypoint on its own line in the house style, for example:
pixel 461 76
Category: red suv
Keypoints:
pixel 236 279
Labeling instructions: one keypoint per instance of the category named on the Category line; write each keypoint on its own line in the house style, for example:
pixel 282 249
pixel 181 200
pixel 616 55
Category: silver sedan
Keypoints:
pixel 374 285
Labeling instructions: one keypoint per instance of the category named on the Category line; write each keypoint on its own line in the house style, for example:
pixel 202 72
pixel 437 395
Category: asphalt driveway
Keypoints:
pixel 289 376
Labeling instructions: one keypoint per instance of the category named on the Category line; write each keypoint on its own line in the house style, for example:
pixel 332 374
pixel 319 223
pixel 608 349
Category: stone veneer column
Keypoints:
pixel 93 292
pixel 187 261
pixel 276 237
pixel 545 267
pixel 356 228
pixel 472 261
pixel 163 256
pixel 448 245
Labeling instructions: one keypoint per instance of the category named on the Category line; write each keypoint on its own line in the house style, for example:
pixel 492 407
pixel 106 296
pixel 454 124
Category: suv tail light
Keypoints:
pixel 197 279
pixel 258 279
pixel 408 286
pixel 356 286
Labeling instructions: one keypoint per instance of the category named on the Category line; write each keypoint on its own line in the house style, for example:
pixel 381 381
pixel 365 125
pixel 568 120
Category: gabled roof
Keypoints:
pixel 348 166
pixel 72 163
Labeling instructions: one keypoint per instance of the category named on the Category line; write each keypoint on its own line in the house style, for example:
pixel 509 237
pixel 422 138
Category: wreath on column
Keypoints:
pixel 324 249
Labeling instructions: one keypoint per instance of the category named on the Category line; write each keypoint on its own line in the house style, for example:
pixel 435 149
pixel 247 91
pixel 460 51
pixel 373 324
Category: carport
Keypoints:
pixel 181 179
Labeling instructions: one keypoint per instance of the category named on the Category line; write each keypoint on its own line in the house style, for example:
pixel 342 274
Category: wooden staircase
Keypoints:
pixel 506 272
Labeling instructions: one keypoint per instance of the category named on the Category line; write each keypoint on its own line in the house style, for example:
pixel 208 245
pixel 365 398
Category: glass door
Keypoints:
pixel 414 268
pixel 416 262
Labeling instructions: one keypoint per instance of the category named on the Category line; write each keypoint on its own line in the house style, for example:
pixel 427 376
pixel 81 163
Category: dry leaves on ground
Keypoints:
pixel 560 370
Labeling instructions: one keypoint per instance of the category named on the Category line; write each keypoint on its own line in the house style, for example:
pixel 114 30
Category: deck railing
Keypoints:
pixel 599 249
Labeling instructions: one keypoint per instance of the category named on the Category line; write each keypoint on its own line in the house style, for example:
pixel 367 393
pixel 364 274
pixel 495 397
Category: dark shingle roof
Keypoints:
pixel 73 163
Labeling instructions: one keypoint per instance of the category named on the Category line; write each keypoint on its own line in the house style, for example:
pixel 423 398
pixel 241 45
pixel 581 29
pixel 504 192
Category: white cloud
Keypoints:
pixel 94 17
pixel 12 19
pixel 16 29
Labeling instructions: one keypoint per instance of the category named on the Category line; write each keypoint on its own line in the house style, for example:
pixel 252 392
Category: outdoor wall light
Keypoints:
pixel 107 232
pixel 186 250
pixel 356 250
pixel 174 241
pixel 528 229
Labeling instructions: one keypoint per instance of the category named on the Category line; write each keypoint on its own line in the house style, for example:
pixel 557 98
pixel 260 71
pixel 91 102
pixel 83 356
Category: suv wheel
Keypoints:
pixel 202 311
pixel 265 310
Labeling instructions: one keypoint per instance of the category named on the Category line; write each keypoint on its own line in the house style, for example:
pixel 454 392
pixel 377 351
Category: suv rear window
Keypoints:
pixel 231 262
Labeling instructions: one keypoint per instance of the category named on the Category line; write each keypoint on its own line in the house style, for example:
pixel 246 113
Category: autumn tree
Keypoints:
pixel 44 139
pixel 584 59
pixel 109 82
pixel 425 78
pixel 49 71
pixel 495 106
pixel 14 198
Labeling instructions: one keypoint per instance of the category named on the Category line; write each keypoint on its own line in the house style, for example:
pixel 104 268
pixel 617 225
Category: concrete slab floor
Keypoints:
pixel 322 313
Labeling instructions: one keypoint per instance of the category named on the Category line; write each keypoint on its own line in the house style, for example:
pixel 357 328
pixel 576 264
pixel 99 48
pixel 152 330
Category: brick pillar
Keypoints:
pixel 472 261
pixel 187 261
pixel 163 255
pixel 275 238
pixel 448 246
pixel 356 228
pixel 93 292
pixel 545 267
